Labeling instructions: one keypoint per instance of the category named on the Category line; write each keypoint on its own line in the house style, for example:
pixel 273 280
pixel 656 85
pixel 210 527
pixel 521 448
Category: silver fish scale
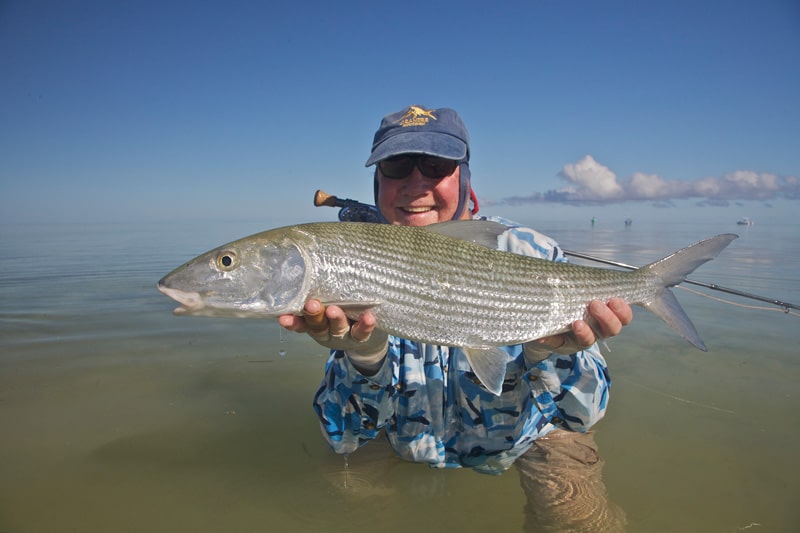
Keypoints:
pixel 443 290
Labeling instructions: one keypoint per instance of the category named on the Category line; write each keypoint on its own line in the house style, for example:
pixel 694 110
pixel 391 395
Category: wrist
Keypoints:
pixel 536 351
pixel 370 362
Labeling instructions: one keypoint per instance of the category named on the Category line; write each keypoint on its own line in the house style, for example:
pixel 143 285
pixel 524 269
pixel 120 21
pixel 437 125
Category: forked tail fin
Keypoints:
pixel 672 270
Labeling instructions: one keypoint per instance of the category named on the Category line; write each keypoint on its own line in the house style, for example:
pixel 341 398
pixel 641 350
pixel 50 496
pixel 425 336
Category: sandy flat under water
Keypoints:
pixel 116 415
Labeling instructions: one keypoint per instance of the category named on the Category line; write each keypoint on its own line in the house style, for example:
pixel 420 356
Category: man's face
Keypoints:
pixel 418 200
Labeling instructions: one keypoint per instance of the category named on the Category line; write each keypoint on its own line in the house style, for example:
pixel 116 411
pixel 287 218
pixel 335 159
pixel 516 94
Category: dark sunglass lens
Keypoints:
pixel 397 167
pixel 437 167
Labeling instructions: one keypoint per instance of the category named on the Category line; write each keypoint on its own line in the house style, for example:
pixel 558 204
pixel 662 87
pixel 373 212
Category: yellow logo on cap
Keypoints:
pixel 416 116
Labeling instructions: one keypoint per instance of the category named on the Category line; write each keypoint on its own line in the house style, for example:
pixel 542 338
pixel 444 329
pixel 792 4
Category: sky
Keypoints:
pixel 177 110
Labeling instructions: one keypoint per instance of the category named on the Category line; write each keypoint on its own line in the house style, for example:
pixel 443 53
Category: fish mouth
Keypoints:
pixel 190 301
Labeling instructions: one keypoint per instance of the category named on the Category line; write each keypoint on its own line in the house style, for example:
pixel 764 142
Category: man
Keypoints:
pixel 429 402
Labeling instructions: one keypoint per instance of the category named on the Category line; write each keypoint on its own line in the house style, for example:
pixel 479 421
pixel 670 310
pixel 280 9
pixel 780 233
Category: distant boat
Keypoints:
pixel 744 222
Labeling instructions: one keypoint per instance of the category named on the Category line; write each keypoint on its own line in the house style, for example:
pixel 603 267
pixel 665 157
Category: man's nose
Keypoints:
pixel 417 181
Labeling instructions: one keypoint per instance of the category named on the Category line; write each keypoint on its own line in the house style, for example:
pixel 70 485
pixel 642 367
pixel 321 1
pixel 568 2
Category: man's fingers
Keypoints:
pixel 338 324
pixel 623 311
pixel 583 334
pixel 316 321
pixel 362 330
pixel 314 313
pixel 606 323
pixel 292 323
pixel 602 321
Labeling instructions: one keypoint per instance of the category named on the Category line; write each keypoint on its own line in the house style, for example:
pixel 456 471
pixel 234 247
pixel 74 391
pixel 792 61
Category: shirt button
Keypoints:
pixel 531 377
pixel 556 420
pixel 369 425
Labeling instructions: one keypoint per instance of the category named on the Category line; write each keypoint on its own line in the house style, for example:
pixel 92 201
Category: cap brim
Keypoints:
pixel 419 142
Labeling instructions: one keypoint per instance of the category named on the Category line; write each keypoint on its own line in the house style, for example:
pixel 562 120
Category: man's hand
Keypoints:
pixel 605 320
pixel 330 327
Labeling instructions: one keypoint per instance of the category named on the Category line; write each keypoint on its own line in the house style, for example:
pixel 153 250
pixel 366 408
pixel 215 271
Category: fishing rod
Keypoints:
pixel 350 210
pixel 787 307
pixel 355 211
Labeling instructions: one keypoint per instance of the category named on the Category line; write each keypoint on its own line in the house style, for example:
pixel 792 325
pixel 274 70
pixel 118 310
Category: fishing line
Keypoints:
pixel 785 311
pixel 677 398
pixel 786 306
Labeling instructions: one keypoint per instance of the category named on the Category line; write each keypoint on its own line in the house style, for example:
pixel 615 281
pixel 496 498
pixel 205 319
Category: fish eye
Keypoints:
pixel 227 260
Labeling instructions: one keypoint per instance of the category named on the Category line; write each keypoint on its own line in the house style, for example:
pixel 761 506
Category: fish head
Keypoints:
pixel 263 276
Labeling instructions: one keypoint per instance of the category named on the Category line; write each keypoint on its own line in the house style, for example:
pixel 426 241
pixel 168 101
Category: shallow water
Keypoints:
pixel 117 415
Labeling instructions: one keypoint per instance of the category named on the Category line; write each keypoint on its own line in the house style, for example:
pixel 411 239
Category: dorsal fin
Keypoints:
pixel 483 232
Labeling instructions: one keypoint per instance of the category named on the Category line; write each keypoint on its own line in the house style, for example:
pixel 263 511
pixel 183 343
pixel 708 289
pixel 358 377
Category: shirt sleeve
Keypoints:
pixel 571 391
pixel 352 408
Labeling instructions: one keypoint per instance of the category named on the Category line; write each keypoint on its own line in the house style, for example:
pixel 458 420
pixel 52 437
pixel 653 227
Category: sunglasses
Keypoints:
pixel 401 166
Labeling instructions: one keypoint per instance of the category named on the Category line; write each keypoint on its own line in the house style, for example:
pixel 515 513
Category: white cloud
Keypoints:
pixel 649 186
pixel 759 185
pixel 591 181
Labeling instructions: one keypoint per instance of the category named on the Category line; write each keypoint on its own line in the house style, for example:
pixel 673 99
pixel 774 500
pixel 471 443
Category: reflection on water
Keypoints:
pixel 561 476
pixel 118 416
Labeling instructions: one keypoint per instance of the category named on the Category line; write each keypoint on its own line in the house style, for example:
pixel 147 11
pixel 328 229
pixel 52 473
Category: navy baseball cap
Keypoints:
pixel 416 130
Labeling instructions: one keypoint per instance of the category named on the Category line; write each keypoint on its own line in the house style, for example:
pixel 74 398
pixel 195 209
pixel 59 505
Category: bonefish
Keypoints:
pixel 443 284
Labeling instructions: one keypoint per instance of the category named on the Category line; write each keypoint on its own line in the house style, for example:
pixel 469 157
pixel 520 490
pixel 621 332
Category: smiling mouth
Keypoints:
pixel 416 209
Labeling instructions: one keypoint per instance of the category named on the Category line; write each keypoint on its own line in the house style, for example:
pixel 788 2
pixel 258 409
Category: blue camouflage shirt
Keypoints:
pixel 433 408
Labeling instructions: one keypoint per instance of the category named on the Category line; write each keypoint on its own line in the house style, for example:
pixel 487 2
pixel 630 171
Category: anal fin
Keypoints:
pixel 489 364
